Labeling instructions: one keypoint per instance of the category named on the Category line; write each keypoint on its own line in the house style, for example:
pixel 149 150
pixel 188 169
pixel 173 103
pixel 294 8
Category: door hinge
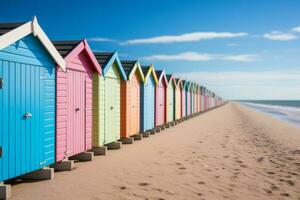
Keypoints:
pixel 1 83
pixel 1 152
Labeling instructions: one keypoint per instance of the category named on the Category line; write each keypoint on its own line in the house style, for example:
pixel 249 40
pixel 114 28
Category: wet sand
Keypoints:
pixel 231 152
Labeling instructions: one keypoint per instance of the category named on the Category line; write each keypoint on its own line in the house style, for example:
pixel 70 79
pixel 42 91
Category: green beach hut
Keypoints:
pixel 106 99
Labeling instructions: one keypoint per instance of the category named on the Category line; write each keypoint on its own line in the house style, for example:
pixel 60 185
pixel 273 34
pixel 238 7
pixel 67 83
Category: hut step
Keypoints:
pixel 42 174
pixel 65 165
pixel 137 136
pixel 84 156
pixel 5 191
pixel 128 140
pixel 114 145
pixel 102 150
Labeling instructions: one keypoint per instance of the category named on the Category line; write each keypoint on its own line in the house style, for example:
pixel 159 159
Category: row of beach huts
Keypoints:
pixel 60 101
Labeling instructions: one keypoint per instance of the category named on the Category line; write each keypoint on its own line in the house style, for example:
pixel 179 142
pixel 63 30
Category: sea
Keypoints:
pixel 288 110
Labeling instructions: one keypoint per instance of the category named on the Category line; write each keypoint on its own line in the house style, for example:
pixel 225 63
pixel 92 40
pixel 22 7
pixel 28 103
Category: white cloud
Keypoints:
pixel 241 58
pixel 296 29
pixel 194 56
pixel 280 36
pixel 232 44
pixel 250 85
pixel 188 56
pixel 187 37
pixel 101 39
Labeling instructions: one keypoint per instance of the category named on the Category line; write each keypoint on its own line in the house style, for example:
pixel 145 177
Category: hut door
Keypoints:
pixel 76 110
pixel 134 106
pixel 21 140
pixel 110 109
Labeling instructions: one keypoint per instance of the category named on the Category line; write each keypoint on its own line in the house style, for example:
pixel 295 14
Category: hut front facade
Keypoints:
pixel 160 98
pixel 178 92
pixel 130 98
pixel 183 99
pixel 74 91
pixel 171 98
pixel 188 98
pixel 147 114
pixel 28 62
pixel 107 99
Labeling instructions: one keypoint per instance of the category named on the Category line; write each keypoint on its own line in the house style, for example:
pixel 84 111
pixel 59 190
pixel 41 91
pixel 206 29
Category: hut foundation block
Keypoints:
pixel 5 191
pixel 84 156
pixel 138 136
pixel 156 130
pixel 102 150
pixel 146 134
pixel 162 127
pixel 41 174
pixel 128 140
pixel 114 145
pixel 65 165
pixel 167 125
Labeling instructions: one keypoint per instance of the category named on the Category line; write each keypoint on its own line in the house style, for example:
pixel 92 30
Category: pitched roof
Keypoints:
pixel 128 65
pixel 158 73
pixel 103 57
pixel 65 46
pixel 145 69
pixel 169 76
pixel 6 27
pixel 12 32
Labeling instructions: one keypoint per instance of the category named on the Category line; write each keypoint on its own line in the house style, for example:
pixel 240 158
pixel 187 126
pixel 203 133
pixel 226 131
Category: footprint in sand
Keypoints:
pixel 268 191
pixel 290 182
pixel 274 187
pixel 226 156
pixel 244 166
pixel 182 168
pixel 260 159
pixel 285 194
pixel 123 187
pixel 270 173
pixel 178 163
pixel 201 182
pixel 297 164
pixel 144 184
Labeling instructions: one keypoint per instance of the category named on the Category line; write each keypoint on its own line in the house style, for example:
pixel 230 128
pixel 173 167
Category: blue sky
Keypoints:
pixel 240 49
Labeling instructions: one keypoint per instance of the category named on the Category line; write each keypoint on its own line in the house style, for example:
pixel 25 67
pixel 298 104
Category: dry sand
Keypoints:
pixel 228 153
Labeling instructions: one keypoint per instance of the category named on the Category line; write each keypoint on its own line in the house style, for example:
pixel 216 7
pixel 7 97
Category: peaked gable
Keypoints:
pixel 171 80
pixel 12 32
pixel 179 82
pixel 161 76
pixel 132 66
pixel 70 49
pixel 106 61
pixel 149 70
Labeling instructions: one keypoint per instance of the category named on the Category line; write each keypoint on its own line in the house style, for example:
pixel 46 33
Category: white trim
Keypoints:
pixel 34 28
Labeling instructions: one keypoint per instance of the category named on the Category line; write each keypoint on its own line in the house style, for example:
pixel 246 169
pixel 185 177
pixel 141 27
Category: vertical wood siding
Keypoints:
pixel 177 103
pixel 130 106
pixel 160 107
pixel 170 102
pixel 106 107
pixel 28 72
pixel 147 104
pixel 74 107
pixel 183 103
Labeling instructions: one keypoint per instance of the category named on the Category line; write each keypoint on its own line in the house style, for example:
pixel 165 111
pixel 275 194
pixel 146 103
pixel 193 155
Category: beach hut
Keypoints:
pixel 183 99
pixel 74 92
pixel 130 98
pixel 202 98
pixel 199 98
pixel 28 62
pixel 170 98
pixel 178 98
pixel 187 88
pixel 147 115
pixel 160 98
pixel 196 98
pixel 106 99
pixel 192 97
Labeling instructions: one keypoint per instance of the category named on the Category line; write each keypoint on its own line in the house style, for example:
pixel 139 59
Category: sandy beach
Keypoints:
pixel 231 152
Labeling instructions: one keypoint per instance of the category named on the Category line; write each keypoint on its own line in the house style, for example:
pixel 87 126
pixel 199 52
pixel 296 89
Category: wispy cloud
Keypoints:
pixel 250 85
pixel 195 56
pixel 187 37
pixel 296 29
pixel 280 36
pixel 101 39
pixel 231 44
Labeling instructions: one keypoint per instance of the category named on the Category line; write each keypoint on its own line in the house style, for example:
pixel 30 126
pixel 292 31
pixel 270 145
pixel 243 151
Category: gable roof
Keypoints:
pixel 71 48
pixel 106 60
pixel 147 71
pixel 161 76
pixel 186 84
pixel 12 32
pixel 130 67
pixel 179 82
pixel 171 79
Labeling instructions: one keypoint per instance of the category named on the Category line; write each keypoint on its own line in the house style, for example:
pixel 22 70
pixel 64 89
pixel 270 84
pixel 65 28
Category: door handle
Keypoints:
pixel 1 83
pixel 77 109
pixel 1 152
pixel 111 107
pixel 27 115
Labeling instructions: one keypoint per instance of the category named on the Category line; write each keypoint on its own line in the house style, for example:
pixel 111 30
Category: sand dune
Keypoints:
pixel 229 153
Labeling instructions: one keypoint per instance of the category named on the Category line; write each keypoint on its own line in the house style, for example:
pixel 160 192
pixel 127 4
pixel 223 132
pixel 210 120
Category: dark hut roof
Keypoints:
pixel 169 77
pixel 64 47
pixel 103 57
pixel 158 73
pixel 6 27
pixel 128 65
pixel 145 69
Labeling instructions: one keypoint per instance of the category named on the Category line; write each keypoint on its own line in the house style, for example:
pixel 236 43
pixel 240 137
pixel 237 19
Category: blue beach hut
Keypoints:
pixel 28 62
pixel 148 98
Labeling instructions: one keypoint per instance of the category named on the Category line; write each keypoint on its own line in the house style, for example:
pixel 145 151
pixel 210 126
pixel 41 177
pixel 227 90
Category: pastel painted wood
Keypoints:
pixel 107 99
pixel 170 98
pixel 183 99
pixel 74 98
pixel 178 98
pixel 147 113
pixel 130 98
pixel 160 98
pixel 188 97
pixel 27 99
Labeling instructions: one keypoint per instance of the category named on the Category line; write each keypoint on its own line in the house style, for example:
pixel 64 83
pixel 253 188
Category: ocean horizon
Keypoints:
pixel 287 110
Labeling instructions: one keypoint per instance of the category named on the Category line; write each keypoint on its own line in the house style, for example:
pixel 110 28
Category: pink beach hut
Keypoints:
pixel 160 98
pixel 74 98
